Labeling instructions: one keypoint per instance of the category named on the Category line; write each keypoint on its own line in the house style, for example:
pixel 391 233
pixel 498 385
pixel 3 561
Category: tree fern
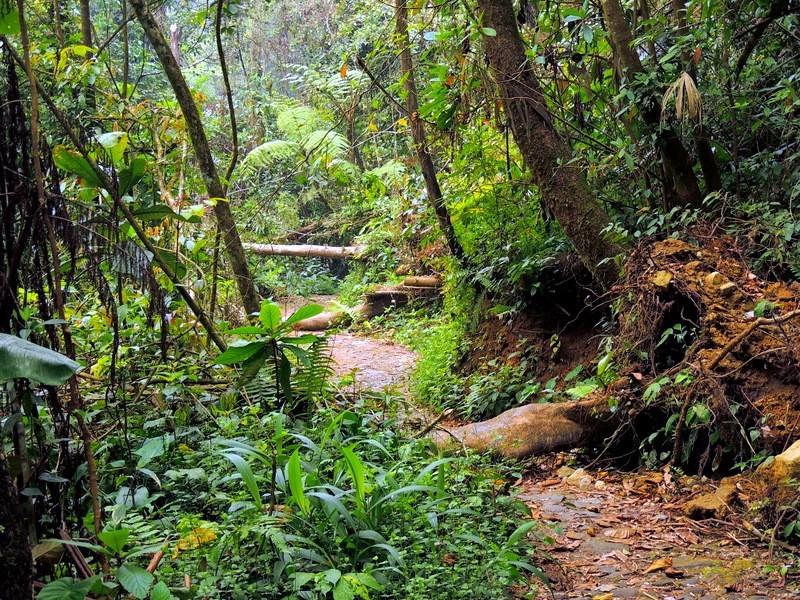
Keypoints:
pixel 267 154
pixel 327 143
pixel 297 121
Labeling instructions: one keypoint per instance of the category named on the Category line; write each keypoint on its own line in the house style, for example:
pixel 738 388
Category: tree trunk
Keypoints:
pixel 205 161
pixel 308 250
pixel 682 187
pixel 562 187
pixel 534 429
pixel 418 134
pixel 16 572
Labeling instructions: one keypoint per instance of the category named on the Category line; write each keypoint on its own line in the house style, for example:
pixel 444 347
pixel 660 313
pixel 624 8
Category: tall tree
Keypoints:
pixel 682 185
pixel 562 187
pixel 435 196
pixel 205 160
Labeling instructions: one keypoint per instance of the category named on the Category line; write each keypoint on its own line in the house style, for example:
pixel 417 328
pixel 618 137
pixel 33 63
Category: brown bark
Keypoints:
pixel 533 429
pixel 683 187
pixel 308 250
pixel 69 346
pixel 86 24
pixel 702 141
pixel 205 160
pixel 563 190
pixel 418 134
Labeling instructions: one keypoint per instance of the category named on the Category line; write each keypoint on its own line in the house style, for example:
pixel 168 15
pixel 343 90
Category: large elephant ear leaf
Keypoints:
pixel 22 359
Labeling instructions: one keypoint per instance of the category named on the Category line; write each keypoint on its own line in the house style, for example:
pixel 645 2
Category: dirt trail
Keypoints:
pixel 626 537
pixel 615 535
pixel 371 363
pixel 363 363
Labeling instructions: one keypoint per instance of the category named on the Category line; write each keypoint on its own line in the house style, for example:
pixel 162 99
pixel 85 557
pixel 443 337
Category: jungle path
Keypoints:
pixel 608 534
pixel 625 535
pixel 363 363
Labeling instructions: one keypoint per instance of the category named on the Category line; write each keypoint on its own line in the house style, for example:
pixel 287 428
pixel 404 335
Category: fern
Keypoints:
pixel 311 381
pixel 266 154
pixel 390 173
pixel 261 389
pixel 297 121
pixel 324 143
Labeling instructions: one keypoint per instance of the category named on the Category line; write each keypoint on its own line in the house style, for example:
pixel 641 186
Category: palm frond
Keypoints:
pixel 688 102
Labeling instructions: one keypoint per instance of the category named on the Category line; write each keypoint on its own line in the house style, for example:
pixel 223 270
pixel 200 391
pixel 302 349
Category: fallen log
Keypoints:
pixel 304 250
pixel 422 281
pixel 534 429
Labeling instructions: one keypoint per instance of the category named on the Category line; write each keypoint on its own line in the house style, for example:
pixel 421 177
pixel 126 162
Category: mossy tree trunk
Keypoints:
pixel 563 189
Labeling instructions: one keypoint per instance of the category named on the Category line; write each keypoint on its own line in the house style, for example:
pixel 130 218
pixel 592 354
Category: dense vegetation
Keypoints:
pixel 203 450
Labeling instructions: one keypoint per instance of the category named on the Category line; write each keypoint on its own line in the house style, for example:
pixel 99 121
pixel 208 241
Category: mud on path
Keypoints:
pixel 374 364
pixel 625 536
pixel 362 363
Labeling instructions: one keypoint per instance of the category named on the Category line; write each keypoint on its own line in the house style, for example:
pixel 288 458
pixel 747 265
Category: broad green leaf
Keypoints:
pixel 9 19
pixel 368 580
pixel 519 532
pixel 152 448
pixel 135 580
pixel 174 263
pixel 300 353
pixel 356 468
pixel 237 354
pixel 160 592
pixel 26 360
pixel 304 312
pixel 159 212
pixel 488 31
pixel 332 575
pixel 115 539
pixel 66 588
pixel 285 377
pixel 114 144
pixel 295 473
pixel 131 175
pixel 251 367
pixel 74 163
pixel 248 477
pixel 343 590
pixel 270 315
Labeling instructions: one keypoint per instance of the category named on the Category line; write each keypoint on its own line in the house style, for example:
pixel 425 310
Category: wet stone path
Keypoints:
pixel 625 536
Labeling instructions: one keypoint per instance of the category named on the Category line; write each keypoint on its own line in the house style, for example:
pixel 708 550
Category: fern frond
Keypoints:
pixel 298 121
pixel 325 143
pixel 266 154
pixel 390 173
pixel 311 381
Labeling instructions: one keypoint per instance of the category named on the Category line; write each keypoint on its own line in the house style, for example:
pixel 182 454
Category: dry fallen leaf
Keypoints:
pixel 660 564
pixel 621 533
pixel 603 597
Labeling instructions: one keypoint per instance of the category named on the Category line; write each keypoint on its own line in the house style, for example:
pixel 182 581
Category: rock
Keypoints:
pixel 661 279
pixel 585 482
pixel 785 466
pixel 565 472
pixel 715 279
pixel 714 504
pixel 575 476
pixel 600 485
